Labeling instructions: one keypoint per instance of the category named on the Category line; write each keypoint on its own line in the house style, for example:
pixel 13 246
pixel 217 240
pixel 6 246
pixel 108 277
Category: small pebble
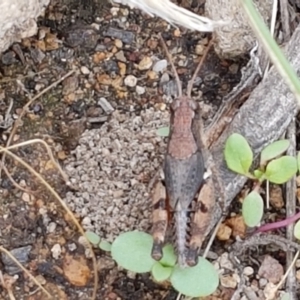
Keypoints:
pixel 25 197
pixel 118 43
pixel 86 221
pixel 72 247
pixel 51 227
pixel 199 49
pixel 84 70
pixel 120 56
pixel 145 63
pixel 56 251
pixel 106 106
pixel 228 281
pixel 21 254
pixel 225 263
pixel 164 78
pixel 140 90
pixel 262 282
pixel 130 81
pixel 152 75
pixel 160 66
pixel 83 241
pixel 248 271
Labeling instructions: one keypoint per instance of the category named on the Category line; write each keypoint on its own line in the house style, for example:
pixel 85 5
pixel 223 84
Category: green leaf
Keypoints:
pixel 199 281
pixel 298 160
pixel 281 170
pixel 163 131
pixel 92 237
pixel 273 150
pixel 169 258
pixel 132 251
pixel 238 154
pixel 161 273
pixel 297 230
pixel 253 209
pixel 105 245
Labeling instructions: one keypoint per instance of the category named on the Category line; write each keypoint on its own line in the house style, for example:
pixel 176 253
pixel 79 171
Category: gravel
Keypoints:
pixel 112 167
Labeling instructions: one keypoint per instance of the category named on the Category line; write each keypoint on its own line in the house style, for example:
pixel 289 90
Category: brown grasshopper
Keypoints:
pixel 187 164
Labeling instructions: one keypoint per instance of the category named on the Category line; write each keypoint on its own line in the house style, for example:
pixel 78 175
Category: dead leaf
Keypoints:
pixel 76 270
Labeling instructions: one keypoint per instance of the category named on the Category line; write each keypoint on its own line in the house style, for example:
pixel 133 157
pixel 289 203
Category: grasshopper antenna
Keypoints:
pixel 172 65
pixel 191 83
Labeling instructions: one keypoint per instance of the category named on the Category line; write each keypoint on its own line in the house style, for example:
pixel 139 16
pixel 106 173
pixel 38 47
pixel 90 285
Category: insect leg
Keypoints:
pixel 160 219
pixel 201 220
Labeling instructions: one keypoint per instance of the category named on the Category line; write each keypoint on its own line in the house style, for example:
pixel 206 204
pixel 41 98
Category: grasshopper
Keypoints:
pixel 188 169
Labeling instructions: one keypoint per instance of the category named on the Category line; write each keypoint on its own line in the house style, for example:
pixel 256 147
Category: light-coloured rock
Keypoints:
pixel 140 90
pixel 145 63
pixel 248 271
pixel 130 81
pixel 18 20
pixel 56 251
pixel 160 66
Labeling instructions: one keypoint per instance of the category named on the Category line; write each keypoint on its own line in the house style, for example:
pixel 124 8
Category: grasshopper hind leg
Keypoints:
pixel 201 220
pixel 160 219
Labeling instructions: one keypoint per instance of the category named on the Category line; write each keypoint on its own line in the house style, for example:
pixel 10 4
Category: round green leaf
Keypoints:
pixel 105 245
pixel 92 237
pixel 163 131
pixel 253 209
pixel 169 258
pixel 199 281
pixel 274 150
pixel 132 251
pixel 281 170
pixel 161 273
pixel 238 154
pixel 297 230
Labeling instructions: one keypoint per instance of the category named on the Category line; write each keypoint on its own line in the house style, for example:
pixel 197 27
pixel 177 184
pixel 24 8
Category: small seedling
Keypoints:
pixel 96 241
pixel 132 251
pixel 273 167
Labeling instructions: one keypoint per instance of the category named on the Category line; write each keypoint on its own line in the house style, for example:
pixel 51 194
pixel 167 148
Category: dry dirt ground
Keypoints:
pixel 100 123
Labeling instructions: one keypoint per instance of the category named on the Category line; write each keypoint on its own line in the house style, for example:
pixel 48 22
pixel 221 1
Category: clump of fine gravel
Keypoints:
pixel 112 167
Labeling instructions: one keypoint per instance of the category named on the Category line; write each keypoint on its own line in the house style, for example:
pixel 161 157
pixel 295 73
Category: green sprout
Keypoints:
pixel 132 251
pixel 273 167
pixel 96 241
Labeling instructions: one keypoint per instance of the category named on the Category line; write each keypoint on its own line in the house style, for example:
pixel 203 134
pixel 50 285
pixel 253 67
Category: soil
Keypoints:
pixel 100 122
